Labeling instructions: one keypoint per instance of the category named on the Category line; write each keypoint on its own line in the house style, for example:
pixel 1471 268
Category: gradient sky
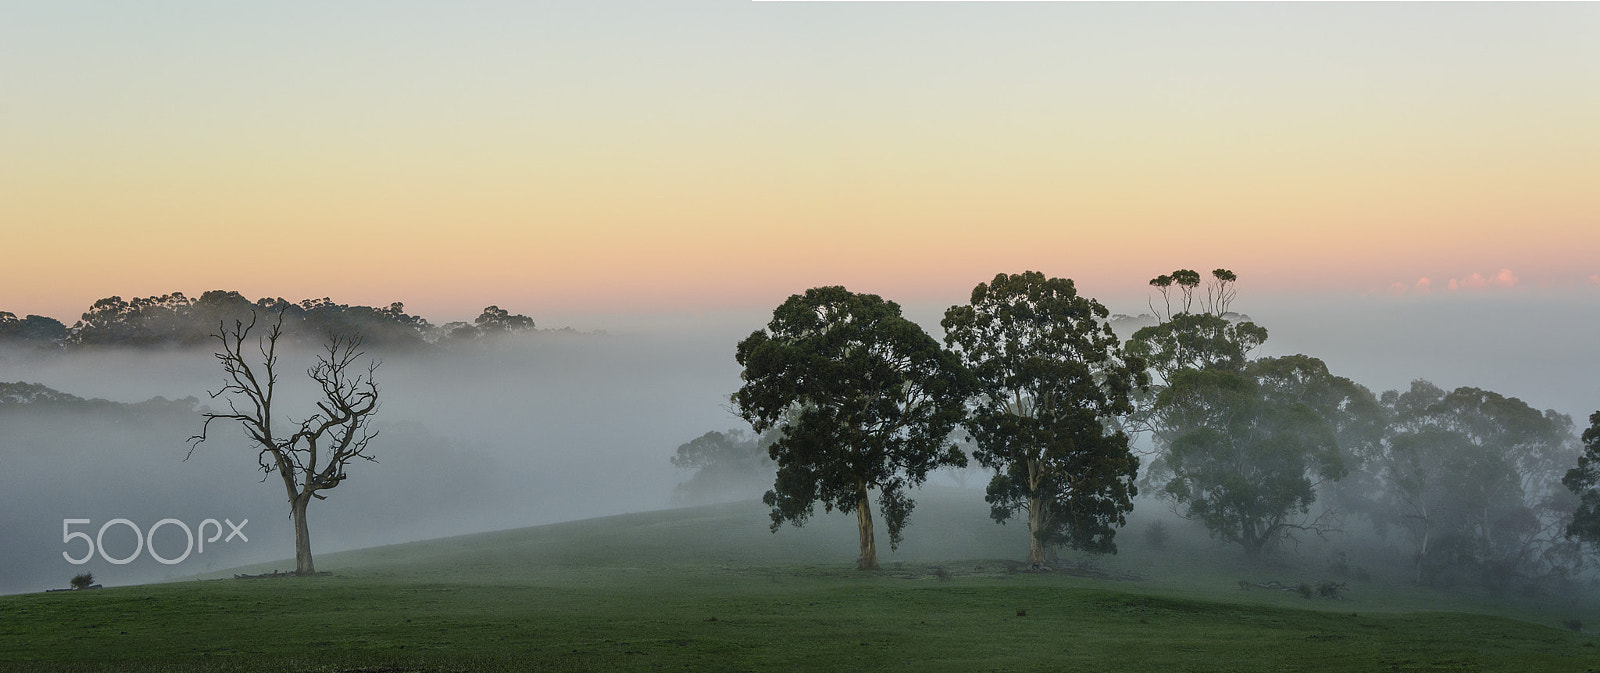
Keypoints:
pixel 616 157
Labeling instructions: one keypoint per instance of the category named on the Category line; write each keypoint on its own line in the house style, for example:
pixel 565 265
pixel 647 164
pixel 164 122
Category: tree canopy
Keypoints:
pixel 1246 455
pixel 1049 373
pixel 1470 475
pixel 865 400
pixel 33 330
pixel 1212 338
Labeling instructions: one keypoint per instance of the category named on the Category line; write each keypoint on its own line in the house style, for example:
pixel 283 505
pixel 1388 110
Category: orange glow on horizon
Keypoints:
pixel 578 176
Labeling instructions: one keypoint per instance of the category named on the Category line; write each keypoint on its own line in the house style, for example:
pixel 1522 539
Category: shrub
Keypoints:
pixel 1330 589
pixel 1157 534
pixel 83 581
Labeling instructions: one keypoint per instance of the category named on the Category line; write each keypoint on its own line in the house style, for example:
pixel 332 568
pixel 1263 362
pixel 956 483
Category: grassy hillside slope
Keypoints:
pixel 711 589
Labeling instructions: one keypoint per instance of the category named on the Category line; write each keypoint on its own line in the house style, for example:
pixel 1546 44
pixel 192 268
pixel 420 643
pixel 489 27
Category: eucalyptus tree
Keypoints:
pixel 1050 373
pixel 865 401
pixel 1437 485
pixel 1212 338
pixel 1249 448
pixel 1473 477
pixel 310 456
pixel 33 330
pixel 1583 481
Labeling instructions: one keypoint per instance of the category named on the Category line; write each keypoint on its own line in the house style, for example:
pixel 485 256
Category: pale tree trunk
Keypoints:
pixel 1036 526
pixel 1422 555
pixel 1422 546
pixel 869 545
pixel 1255 544
pixel 1037 513
pixel 302 537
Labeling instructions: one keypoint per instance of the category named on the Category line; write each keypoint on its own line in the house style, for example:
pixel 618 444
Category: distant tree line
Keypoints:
pixel 19 396
pixel 852 400
pixel 175 320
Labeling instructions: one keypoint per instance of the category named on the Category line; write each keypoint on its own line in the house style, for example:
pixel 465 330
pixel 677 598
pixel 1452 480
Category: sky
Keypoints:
pixel 568 160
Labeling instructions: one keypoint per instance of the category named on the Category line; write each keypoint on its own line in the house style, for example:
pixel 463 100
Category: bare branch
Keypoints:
pixel 313 458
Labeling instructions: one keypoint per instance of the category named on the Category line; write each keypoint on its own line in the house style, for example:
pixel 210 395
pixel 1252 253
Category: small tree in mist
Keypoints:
pixel 865 400
pixel 726 464
pixel 1051 373
pixel 493 322
pixel 962 475
pixel 313 456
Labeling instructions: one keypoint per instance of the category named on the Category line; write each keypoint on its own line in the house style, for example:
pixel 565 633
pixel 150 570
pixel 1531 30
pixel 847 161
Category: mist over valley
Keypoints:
pixel 551 425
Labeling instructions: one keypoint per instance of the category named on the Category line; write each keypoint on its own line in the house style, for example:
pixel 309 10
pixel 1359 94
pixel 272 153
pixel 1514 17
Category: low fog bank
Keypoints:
pixel 1542 350
pixel 556 426
pixel 532 429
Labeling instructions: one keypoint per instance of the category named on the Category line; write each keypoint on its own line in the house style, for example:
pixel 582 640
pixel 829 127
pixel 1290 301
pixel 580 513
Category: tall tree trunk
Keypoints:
pixel 869 545
pixel 1254 544
pixel 1422 555
pixel 1036 508
pixel 302 537
pixel 1036 524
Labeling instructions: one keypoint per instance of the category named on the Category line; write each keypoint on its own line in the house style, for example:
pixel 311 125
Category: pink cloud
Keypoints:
pixel 1478 281
pixel 1595 279
pixel 1504 278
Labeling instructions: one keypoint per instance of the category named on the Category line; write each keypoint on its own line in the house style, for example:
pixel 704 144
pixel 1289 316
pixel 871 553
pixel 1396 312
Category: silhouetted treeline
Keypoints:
pixel 175 321
pixel 34 330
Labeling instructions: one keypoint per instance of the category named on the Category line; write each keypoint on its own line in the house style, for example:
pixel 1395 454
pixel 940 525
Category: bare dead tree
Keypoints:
pixel 313 457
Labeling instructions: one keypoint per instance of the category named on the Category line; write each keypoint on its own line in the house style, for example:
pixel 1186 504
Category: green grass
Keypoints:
pixel 711 589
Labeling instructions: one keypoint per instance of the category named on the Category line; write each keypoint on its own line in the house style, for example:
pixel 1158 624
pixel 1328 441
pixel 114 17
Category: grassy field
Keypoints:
pixel 710 589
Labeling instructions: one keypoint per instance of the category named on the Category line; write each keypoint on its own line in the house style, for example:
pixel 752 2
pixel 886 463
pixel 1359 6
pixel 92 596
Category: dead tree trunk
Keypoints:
pixel 302 538
pixel 313 458
pixel 299 503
